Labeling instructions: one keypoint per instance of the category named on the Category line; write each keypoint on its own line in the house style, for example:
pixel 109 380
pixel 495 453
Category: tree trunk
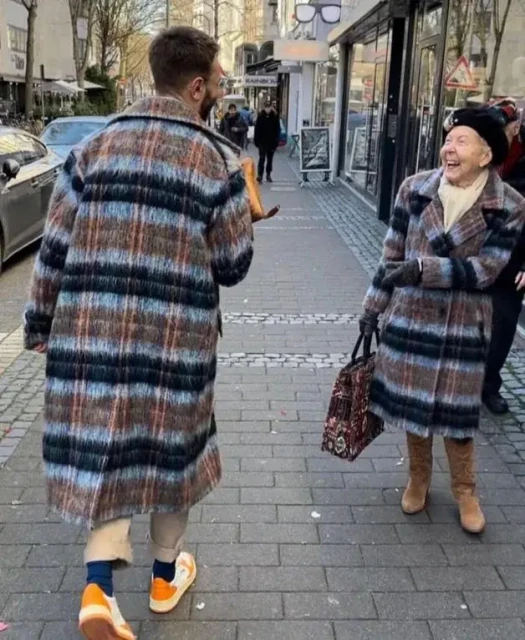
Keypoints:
pixel 30 57
pixel 497 47
pixel 216 6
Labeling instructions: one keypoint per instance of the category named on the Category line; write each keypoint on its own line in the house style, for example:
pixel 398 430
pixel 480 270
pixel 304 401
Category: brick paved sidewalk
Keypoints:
pixel 294 545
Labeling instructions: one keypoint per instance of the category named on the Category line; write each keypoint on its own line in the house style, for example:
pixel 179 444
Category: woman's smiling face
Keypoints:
pixel 464 156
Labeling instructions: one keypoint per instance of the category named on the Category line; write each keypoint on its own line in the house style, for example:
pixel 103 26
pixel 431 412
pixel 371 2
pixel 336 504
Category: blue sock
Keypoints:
pixel 164 570
pixel 101 574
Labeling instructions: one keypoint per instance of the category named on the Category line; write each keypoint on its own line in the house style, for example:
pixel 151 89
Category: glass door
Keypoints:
pixel 425 103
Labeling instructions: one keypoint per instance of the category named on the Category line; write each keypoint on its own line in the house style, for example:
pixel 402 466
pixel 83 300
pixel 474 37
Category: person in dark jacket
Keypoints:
pixel 267 132
pixel 234 127
pixel 510 286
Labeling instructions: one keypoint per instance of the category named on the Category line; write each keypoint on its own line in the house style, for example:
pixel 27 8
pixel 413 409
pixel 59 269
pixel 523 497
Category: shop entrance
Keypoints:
pixel 425 108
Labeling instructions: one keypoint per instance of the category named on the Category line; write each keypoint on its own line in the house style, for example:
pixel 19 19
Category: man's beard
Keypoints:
pixel 207 105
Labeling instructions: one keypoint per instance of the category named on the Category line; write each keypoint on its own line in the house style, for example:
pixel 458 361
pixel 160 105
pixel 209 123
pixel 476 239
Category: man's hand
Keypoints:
pixel 520 281
pixel 368 323
pixel 402 274
pixel 41 348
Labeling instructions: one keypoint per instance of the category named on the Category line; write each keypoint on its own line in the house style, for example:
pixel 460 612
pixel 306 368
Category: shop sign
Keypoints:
pixel 260 81
pixel 301 50
pixel 315 149
pixel 461 76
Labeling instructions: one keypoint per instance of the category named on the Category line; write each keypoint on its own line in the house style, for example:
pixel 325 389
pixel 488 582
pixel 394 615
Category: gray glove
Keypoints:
pixel 368 323
pixel 402 274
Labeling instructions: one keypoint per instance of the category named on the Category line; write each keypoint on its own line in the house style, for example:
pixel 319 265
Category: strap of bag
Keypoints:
pixel 366 341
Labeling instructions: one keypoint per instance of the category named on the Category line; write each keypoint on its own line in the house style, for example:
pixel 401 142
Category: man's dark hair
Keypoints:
pixel 232 106
pixel 180 54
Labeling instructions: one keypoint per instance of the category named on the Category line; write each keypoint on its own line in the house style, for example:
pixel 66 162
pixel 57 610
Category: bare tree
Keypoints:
pixel 499 23
pixel 82 9
pixel 31 6
pixel 117 21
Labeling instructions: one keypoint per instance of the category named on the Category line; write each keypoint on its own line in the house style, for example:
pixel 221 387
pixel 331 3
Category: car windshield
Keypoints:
pixel 69 133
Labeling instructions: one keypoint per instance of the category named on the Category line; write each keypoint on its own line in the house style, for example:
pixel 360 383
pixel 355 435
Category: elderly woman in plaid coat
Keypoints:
pixel 452 232
pixel 148 219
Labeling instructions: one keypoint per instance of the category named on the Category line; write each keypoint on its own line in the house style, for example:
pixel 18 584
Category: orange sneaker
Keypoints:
pixel 100 617
pixel 165 596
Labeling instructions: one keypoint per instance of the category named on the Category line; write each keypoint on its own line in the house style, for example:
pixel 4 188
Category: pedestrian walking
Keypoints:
pixel 267 132
pixel 233 126
pixel 147 220
pixel 507 297
pixel 451 234
pixel 247 116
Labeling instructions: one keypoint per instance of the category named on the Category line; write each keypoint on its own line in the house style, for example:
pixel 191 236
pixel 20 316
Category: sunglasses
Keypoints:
pixel 223 82
pixel 330 13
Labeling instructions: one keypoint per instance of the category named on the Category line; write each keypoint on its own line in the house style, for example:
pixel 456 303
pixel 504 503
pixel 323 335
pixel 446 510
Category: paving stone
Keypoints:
pixel 188 630
pixel 286 465
pixel 41 607
pixel 238 554
pixel 420 606
pixel 369 579
pixel 406 555
pixel 358 534
pixel 480 630
pixel 496 604
pixel 433 534
pixel 333 515
pixel 276 496
pixel 380 630
pixel 282 579
pixel 329 606
pixel 513 577
pixel 239 513
pixel 30 580
pixel 23 631
pixel 279 533
pixel 285 629
pixel 386 515
pixel 329 480
pixel 457 578
pixel 40 533
pixel 354 497
pixel 63 631
pixel 321 555
pixel 245 479
pixel 485 554
pixel 239 606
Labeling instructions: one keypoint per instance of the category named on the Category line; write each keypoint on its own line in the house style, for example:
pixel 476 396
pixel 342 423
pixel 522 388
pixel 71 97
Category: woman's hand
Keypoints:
pixel 402 274
pixel 41 348
pixel 520 281
pixel 368 323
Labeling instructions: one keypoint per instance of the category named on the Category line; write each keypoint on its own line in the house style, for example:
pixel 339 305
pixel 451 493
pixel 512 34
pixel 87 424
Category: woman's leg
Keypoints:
pixel 420 461
pixel 460 455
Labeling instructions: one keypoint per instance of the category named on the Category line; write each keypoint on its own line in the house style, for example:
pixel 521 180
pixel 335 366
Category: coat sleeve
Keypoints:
pixel 479 272
pixel 257 132
pixel 49 266
pixel 230 236
pixel 242 125
pixel 378 296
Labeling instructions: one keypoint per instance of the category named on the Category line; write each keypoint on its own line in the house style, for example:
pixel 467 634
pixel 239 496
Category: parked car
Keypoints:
pixel 28 171
pixel 63 134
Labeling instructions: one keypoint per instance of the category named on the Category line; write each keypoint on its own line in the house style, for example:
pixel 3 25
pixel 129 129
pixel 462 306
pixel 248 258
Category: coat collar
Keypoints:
pixel 172 110
pixel 474 222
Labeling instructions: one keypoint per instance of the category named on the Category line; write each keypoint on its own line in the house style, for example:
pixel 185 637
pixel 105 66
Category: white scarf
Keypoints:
pixel 457 200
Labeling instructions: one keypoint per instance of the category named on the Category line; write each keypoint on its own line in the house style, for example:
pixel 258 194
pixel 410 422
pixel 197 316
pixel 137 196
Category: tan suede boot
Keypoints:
pixel 460 455
pixel 420 459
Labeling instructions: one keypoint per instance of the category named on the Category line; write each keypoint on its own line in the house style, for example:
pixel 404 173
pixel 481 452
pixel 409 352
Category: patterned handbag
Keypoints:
pixel 350 427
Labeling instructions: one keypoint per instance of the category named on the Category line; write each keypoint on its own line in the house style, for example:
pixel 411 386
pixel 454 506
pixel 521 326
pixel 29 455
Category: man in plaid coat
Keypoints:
pixel 147 220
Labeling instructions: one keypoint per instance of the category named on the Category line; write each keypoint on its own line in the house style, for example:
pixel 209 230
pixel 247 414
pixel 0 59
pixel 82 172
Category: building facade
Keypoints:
pixel 57 60
pixel 405 66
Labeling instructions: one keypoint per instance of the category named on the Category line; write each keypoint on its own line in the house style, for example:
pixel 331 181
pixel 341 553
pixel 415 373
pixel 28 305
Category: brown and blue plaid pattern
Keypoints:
pixel 147 220
pixel 431 362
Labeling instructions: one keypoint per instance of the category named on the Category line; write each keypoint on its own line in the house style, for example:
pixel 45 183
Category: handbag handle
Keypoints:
pixel 366 341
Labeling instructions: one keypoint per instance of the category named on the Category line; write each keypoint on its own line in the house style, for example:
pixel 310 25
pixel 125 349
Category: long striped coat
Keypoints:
pixel 147 220
pixel 431 361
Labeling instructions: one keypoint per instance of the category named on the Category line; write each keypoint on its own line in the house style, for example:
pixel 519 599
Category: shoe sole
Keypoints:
pixel 98 626
pixel 165 606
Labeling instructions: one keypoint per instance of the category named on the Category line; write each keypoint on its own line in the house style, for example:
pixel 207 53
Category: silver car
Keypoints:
pixel 28 171
pixel 63 134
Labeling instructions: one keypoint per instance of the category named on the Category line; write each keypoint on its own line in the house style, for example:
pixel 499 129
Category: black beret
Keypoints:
pixel 487 127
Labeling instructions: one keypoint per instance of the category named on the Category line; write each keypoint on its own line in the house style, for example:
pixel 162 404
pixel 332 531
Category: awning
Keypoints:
pixel 88 86
pixel 267 66
pixel 62 87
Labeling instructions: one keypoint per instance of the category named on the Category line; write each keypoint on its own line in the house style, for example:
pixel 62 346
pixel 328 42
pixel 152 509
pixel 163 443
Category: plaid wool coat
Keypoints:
pixel 147 220
pixel 434 342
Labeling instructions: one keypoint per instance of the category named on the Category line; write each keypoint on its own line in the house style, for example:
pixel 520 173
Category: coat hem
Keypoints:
pixel 401 424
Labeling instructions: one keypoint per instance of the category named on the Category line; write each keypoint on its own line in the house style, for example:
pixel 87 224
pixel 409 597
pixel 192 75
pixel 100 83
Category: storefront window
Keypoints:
pixel 326 84
pixel 366 110
pixel 485 52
